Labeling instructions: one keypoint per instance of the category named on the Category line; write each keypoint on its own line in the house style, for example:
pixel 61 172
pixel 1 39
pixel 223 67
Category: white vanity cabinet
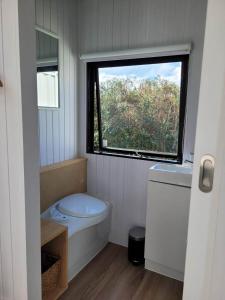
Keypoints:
pixel 167 219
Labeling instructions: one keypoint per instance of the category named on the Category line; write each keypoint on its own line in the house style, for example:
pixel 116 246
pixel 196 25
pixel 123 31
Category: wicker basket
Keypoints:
pixel 51 266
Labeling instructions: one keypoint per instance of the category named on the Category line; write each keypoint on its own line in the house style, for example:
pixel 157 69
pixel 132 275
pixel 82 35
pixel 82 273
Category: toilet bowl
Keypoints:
pixel 88 221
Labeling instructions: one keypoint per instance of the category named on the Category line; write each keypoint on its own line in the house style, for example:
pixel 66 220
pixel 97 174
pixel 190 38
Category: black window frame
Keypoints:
pixel 93 81
pixel 47 69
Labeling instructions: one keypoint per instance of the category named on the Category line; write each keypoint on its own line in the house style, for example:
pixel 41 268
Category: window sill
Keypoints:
pixel 48 108
pixel 150 158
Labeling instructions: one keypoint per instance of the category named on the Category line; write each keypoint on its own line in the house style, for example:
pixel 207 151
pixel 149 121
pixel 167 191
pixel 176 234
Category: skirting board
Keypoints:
pixel 163 270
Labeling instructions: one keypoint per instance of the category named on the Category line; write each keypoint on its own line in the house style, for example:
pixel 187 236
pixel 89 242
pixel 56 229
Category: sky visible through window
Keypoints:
pixel 170 71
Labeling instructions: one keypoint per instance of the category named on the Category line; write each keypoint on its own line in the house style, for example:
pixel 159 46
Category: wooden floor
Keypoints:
pixel 111 277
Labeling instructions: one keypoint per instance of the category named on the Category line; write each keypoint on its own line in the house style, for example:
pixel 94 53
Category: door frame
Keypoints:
pixel 21 270
pixel 205 263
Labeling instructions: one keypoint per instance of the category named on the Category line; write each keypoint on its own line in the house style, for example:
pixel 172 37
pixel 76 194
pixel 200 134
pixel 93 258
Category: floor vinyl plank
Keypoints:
pixel 110 276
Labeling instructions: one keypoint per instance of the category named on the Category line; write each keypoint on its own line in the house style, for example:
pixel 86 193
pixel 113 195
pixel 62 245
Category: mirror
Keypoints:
pixel 47 70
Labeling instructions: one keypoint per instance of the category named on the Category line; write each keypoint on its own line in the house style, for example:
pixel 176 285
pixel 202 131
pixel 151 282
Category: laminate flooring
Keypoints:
pixel 110 276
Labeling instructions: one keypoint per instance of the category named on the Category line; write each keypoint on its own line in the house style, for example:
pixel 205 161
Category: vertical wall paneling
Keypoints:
pixel 56 141
pixel 49 140
pixel 88 22
pixel 54 16
pixel 73 32
pixel 39 12
pixel 122 24
pixel 66 66
pixel 47 14
pixel 57 128
pixel 43 136
pixel 6 275
pixel 105 16
pixel 62 85
pixel 137 23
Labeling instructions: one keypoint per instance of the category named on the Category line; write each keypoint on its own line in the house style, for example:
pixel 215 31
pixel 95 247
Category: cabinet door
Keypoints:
pixel 6 276
pixel 167 224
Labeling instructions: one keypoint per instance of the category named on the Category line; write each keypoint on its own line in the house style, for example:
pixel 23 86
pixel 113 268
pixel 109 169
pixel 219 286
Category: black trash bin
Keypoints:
pixel 136 245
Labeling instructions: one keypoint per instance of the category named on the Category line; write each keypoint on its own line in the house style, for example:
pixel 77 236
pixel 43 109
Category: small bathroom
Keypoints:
pixel 117 89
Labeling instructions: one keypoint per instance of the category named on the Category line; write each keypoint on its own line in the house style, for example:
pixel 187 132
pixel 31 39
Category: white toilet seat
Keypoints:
pixel 81 206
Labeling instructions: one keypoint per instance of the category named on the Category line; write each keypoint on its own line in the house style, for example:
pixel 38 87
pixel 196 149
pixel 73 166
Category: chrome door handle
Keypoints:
pixel 206 174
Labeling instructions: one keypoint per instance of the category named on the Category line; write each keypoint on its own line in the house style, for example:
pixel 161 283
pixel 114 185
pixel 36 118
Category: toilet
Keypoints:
pixel 88 221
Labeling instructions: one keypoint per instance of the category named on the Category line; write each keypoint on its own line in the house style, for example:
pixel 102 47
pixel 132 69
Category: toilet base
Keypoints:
pixel 84 245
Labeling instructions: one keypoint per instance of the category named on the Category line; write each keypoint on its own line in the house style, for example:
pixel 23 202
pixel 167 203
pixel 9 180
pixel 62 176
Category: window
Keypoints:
pixel 136 107
pixel 47 86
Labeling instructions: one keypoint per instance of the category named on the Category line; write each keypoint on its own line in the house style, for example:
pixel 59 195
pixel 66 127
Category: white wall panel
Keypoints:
pixel 20 259
pixel 57 128
pixel 6 263
pixel 121 12
pixel 122 24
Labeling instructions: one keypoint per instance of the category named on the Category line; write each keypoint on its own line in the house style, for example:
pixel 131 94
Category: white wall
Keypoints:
pixel 57 127
pixel 124 24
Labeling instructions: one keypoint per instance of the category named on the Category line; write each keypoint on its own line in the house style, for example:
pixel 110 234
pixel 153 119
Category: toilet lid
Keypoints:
pixel 81 205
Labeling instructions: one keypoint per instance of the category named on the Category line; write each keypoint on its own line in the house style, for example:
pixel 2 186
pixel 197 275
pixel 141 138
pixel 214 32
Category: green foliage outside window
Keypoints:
pixel 139 114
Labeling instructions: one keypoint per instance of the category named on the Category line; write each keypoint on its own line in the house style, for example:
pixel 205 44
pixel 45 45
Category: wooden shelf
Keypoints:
pixel 54 294
pixel 50 230
pixel 54 240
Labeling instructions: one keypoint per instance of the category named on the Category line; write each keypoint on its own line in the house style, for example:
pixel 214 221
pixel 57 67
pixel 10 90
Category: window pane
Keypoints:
pixel 140 107
pixel 47 89
pixel 96 129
